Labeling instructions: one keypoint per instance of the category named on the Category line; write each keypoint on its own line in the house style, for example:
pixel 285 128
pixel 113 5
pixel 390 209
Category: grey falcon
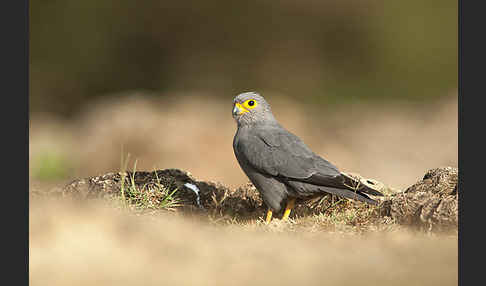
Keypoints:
pixel 280 165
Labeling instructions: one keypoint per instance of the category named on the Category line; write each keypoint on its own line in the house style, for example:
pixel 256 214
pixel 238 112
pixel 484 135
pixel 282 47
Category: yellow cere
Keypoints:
pixel 241 108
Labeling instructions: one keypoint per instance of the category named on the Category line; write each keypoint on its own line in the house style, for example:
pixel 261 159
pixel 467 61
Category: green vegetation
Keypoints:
pixel 50 166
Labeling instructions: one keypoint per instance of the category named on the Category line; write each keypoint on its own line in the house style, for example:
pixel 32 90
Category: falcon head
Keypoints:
pixel 251 108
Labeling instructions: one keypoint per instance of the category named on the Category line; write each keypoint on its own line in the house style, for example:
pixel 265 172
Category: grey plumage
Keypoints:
pixel 278 163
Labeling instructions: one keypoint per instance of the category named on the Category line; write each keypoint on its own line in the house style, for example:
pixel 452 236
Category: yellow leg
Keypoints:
pixel 290 205
pixel 269 216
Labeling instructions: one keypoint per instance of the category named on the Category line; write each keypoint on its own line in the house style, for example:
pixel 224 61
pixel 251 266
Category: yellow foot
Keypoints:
pixel 290 205
pixel 269 216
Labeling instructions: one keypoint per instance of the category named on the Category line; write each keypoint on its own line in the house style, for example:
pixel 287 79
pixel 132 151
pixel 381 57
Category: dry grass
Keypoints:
pixel 80 243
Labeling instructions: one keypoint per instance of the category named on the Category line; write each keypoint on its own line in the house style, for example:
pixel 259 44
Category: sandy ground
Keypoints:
pixel 74 243
pixel 395 144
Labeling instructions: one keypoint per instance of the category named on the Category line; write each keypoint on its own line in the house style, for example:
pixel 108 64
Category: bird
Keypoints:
pixel 280 165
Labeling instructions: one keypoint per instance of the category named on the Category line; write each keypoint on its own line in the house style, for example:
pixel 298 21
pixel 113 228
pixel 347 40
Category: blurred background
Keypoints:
pixel 369 85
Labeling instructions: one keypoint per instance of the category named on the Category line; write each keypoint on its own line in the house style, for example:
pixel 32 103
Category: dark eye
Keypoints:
pixel 251 103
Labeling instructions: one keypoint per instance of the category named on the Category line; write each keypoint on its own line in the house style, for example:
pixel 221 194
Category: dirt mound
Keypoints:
pixel 193 196
pixel 430 204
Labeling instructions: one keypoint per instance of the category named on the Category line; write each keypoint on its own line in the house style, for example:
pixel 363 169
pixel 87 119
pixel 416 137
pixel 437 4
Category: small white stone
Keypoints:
pixel 195 189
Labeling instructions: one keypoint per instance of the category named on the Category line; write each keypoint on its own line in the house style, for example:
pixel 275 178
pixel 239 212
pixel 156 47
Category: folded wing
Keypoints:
pixel 277 152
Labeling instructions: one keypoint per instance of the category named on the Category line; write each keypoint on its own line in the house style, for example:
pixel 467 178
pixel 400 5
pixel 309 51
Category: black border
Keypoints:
pixel 14 24
pixel 471 79
pixel 460 124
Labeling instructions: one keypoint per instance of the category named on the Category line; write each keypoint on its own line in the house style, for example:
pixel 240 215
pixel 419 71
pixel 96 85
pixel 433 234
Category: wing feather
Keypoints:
pixel 277 152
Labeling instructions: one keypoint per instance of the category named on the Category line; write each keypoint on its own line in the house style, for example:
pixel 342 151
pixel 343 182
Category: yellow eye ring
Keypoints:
pixel 250 104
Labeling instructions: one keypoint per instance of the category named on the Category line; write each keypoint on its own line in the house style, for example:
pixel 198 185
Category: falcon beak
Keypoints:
pixel 238 109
